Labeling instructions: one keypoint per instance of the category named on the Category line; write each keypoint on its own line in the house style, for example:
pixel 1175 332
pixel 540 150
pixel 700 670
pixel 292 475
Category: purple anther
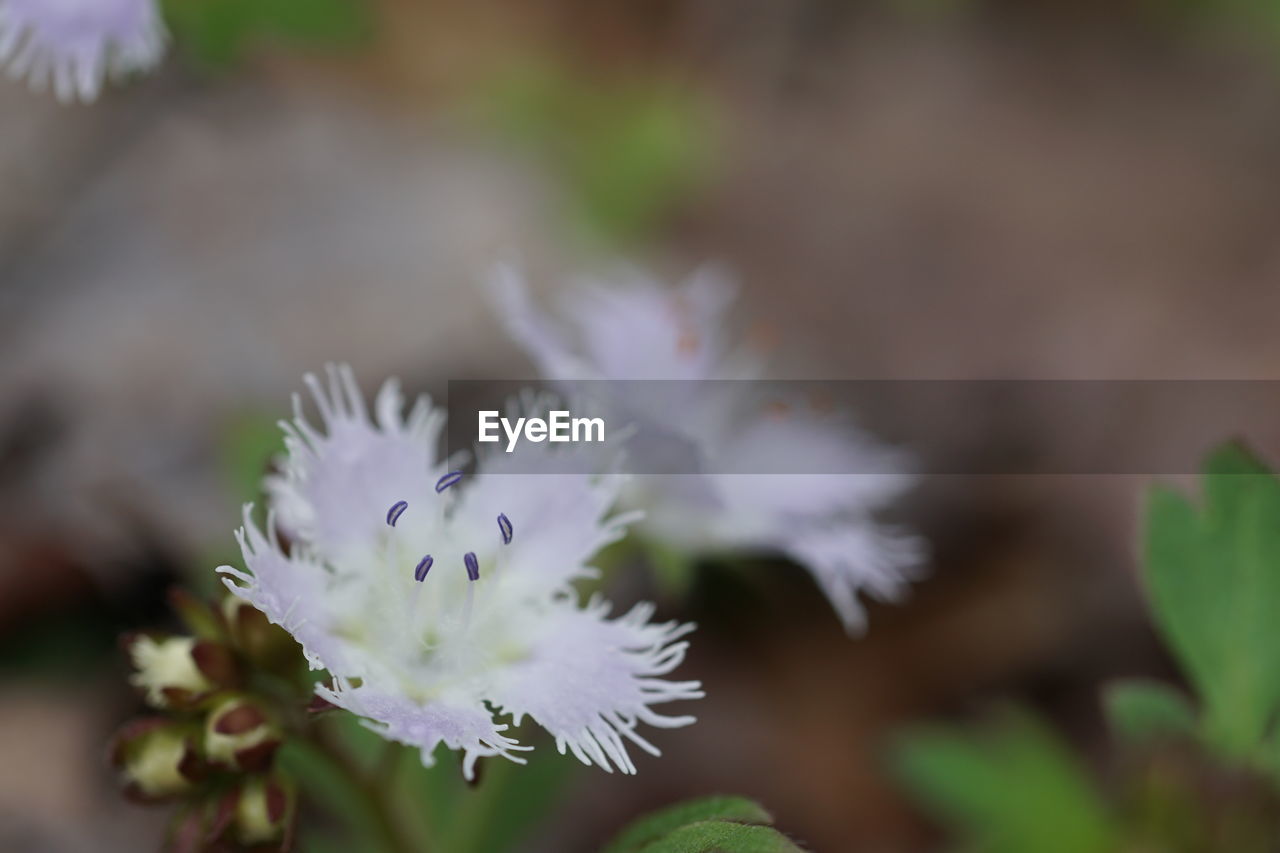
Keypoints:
pixel 448 480
pixel 473 566
pixel 397 510
pixel 504 524
pixel 420 573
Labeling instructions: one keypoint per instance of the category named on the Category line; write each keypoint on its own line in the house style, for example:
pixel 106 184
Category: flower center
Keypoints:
pixel 470 561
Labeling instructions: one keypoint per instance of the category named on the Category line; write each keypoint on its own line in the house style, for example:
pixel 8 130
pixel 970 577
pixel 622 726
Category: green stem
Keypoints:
pixel 477 810
pixel 371 792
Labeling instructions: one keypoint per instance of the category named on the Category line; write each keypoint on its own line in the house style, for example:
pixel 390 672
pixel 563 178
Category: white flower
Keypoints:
pixel 636 329
pixel 77 44
pixel 155 765
pixel 166 664
pixel 437 601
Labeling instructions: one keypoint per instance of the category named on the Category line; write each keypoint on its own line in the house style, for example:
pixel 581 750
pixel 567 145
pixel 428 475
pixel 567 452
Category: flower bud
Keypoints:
pixel 201 825
pixel 265 811
pixel 267 645
pixel 156 757
pixel 239 735
pixel 175 672
pixel 199 616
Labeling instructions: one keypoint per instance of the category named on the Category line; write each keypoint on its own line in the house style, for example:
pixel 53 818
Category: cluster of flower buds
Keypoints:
pixel 221 696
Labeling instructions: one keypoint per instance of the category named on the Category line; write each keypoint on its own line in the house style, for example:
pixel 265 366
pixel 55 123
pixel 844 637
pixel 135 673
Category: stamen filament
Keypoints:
pixel 466 607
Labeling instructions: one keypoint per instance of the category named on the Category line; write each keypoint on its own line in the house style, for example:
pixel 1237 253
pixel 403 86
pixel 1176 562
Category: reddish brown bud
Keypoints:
pixel 265 811
pixel 156 757
pixel 199 616
pixel 239 720
pixel 240 735
pixel 215 662
pixel 267 645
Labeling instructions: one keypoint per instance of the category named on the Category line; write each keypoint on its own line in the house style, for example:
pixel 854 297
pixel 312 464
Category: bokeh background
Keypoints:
pixel 943 190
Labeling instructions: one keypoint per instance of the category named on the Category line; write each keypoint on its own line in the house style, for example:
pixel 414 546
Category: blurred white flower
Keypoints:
pixel 164 665
pixel 634 328
pixel 77 44
pixel 438 601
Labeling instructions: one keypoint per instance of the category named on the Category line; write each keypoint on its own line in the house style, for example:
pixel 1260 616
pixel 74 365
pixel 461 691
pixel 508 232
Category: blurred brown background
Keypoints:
pixel 907 190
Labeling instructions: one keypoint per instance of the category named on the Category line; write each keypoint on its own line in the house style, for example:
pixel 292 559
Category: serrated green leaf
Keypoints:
pixel 654 826
pixel 1015 788
pixel 718 836
pixel 1142 710
pixel 1214 578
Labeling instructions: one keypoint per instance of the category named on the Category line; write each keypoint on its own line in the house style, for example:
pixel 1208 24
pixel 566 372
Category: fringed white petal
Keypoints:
pixel 797 462
pixel 590 681
pixel 458 723
pixel 544 343
pixel 339 481
pixel 632 327
pixel 75 45
pixel 293 591
pixel 858 557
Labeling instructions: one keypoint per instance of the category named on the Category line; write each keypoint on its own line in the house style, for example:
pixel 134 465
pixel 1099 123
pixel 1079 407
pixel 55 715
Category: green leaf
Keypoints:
pixel 719 836
pixel 652 827
pixel 1214 578
pixel 1144 710
pixel 1013 789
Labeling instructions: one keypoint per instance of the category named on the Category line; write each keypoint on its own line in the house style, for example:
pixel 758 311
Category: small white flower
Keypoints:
pixel 438 601
pixel 636 329
pixel 166 664
pixel 77 44
pixel 155 766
